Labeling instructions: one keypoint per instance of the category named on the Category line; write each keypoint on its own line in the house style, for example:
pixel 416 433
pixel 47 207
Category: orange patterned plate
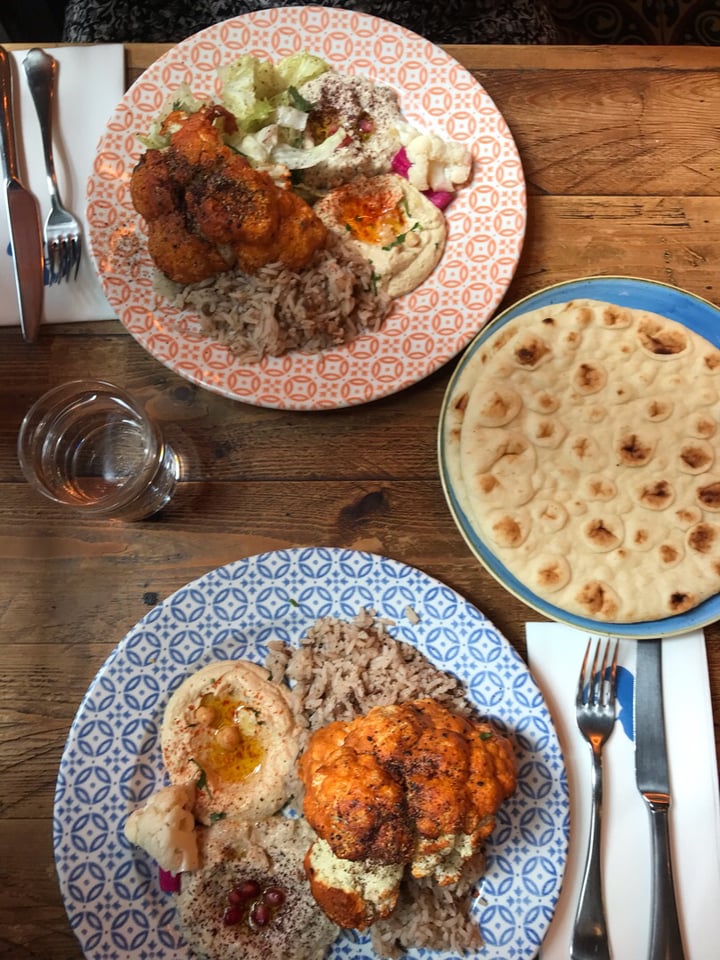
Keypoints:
pixel 486 221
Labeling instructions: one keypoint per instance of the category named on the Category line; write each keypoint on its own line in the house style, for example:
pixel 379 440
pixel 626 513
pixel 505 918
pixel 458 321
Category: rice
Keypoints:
pixel 339 671
pixel 437 918
pixel 332 301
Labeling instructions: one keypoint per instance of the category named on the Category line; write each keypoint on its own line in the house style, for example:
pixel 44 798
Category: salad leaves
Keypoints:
pixel 270 112
pixel 182 99
pixel 254 89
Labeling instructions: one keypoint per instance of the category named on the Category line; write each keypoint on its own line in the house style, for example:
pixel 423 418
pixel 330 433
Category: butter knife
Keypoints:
pixel 653 781
pixel 23 217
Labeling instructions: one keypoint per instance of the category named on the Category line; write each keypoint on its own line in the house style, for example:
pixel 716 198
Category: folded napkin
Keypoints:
pixel 555 653
pixel 90 84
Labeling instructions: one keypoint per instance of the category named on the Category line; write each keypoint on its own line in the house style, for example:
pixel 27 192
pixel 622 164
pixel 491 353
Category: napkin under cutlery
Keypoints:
pixel 555 653
pixel 91 82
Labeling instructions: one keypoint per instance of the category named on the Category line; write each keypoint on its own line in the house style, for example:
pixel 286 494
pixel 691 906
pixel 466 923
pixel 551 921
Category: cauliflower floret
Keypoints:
pixel 165 828
pixel 436 164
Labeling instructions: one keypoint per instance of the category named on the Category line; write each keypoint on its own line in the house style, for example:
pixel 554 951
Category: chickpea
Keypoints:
pixel 205 716
pixel 228 737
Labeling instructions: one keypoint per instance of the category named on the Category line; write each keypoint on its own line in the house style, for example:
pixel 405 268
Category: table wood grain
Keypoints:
pixel 621 152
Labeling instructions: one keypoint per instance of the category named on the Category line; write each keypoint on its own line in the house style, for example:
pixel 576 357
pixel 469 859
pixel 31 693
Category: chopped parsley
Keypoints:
pixel 298 100
pixel 401 237
pixel 216 817
pixel 202 781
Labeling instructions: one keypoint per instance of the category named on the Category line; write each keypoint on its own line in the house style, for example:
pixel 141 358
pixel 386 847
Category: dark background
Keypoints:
pixel 31 20
pixel 579 21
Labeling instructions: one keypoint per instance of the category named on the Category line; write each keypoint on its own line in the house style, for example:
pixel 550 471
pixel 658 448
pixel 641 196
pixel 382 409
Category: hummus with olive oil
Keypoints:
pixel 391 224
pixel 231 732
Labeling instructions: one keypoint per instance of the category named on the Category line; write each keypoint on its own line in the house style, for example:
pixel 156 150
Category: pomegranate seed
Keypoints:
pixel 247 890
pixel 274 896
pixel 232 916
pixel 259 915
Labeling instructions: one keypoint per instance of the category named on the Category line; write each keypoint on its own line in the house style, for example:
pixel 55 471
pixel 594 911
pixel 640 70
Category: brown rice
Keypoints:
pixel 276 310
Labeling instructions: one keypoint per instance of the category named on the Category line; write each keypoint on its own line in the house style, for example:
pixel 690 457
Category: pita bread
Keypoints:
pixel 582 443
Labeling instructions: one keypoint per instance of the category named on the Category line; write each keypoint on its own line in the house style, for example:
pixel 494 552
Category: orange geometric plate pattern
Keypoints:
pixel 486 221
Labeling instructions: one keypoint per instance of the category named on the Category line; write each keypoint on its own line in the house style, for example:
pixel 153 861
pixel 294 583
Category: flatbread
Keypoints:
pixel 582 443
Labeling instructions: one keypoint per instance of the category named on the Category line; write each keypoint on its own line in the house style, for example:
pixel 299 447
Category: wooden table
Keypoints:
pixel 622 159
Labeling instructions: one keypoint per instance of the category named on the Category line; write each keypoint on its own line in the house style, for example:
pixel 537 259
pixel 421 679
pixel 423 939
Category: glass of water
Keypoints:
pixel 90 445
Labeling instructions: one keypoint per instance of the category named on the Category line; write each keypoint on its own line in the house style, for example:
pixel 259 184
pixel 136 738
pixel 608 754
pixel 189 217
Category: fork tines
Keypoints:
pixel 600 689
pixel 63 259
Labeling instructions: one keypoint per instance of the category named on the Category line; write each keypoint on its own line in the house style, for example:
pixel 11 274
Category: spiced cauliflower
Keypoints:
pixel 409 786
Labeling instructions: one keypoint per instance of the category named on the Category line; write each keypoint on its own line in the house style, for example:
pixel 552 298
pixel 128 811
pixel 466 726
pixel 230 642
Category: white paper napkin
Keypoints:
pixel 90 84
pixel 555 653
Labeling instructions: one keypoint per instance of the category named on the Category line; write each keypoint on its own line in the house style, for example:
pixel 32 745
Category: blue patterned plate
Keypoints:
pixel 112 760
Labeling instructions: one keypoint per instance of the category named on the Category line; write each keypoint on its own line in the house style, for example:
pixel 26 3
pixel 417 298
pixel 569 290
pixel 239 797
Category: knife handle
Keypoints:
pixel 665 936
pixel 7 124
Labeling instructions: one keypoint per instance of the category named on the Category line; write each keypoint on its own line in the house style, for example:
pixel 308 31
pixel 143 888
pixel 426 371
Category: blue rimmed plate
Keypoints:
pixel 695 313
pixel 112 761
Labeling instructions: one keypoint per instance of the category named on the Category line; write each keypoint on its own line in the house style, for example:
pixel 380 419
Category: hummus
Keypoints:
pixel 369 113
pixel 231 732
pixel 245 867
pixel 391 224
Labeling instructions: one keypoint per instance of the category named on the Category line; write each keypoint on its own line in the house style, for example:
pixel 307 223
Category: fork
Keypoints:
pixel 595 706
pixel 63 233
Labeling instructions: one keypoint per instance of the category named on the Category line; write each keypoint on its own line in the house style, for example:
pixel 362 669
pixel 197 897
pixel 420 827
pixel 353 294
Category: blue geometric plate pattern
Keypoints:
pixel 112 760
pixel 694 312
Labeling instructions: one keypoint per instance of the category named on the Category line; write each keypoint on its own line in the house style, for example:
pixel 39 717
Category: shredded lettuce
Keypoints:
pixel 270 112
pixel 253 89
pixel 291 117
pixel 300 158
pixel 182 99
pixel 300 68
pixel 248 85
pixel 266 148
pixel 254 148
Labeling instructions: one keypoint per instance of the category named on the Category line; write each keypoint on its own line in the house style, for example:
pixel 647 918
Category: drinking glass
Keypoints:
pixel 91 446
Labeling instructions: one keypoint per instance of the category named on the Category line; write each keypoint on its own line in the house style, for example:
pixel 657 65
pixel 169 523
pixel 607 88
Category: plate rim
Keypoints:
pixel 401 569
pixel 216 380
pixel 676 625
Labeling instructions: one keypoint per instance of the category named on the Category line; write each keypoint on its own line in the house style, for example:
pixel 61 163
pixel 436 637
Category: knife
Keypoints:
pixel 653 781
pixel 23 217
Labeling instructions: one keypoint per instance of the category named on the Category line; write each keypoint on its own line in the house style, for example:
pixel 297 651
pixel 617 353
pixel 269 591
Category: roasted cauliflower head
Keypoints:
pixel 208 210
pixel 408 786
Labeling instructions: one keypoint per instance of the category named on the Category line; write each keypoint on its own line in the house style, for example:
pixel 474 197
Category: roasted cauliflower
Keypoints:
pixel 413 786
pixel 165 828
pixel 208 210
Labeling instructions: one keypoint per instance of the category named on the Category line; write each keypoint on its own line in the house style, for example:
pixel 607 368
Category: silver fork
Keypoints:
pixel 595 706
pixel 63 233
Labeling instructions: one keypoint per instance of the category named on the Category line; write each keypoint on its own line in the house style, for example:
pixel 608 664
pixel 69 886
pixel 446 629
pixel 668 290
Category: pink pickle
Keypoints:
pixel 441 198
pixel 401 165
pixel 169 882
